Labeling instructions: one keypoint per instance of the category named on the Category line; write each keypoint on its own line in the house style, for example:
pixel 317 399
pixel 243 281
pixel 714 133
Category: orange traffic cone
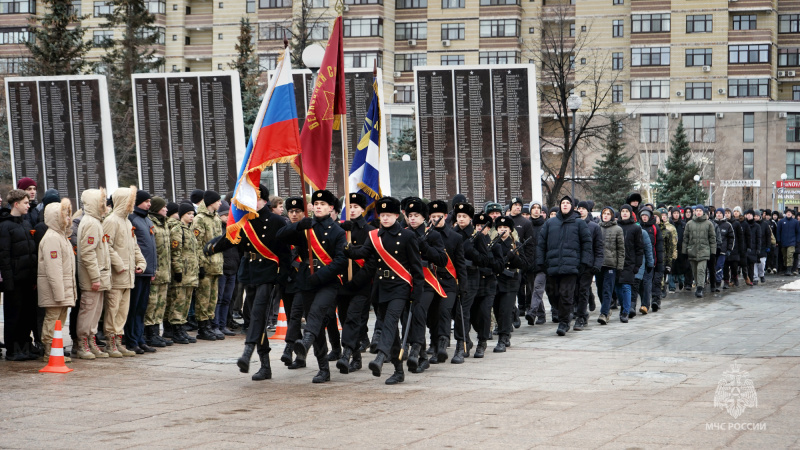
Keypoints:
pixel 339 324
pixel 56 362
pixel 281 328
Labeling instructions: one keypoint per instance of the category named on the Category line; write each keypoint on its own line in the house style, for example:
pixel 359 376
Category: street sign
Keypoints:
pixel 788 184
pixel 741 183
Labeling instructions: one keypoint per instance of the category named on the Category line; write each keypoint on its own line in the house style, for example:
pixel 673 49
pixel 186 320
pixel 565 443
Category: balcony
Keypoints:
pixel 197 52
pixel 750 36
pixel 751 5
pixel 643 6
pixel 199 21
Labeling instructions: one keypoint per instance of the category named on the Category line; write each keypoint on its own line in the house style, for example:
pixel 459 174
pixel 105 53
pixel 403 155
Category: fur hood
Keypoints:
pixel 124 199
pixel 58 217
pixel 94 202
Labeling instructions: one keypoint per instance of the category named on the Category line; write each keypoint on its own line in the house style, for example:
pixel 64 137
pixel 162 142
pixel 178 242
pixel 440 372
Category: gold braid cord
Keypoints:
pixel 339 7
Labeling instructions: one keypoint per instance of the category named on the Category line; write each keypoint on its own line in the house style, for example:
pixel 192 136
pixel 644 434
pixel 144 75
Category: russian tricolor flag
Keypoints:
pixel 275 139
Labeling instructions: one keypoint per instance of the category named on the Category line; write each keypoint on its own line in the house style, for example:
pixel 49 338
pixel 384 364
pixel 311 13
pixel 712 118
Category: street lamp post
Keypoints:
pixel 312 58
pixel 574 104
pixel 783 191
pixel 697 181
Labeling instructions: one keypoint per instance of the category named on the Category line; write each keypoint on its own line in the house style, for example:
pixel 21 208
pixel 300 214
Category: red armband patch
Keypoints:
pixel 90 241
pixel 53 255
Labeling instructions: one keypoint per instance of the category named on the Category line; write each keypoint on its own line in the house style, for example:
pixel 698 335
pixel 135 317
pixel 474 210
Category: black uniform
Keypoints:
pixel 524 229
pixel 440 313
pixel 476 256
pixel 508 281
pixel 482 306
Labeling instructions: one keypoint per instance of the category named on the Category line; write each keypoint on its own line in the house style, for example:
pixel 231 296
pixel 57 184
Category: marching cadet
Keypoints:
pixel 432 254
pixel 206 227
pixel 481 314
pixel 160 284
pixel 395 253
pixel 264 258
pixel 524 228
pixel 353 303
pixel 185 270
pixel 508 280
pixel 319 289
pixel 292 298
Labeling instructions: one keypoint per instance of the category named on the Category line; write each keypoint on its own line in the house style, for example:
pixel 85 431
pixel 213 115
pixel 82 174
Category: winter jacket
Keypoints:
pixel 727 237
pixel 699 239
pixel 755 240
pixel 738 241
pixel 747 240
pixel 524 229
pixel 231 258
pixel 94 251
pixel 125 254
pixel 565 245
pixel 537 225
pixel 207 226
pixel 613 245
pixel 508 275
pixel 788 232
pixel 597 255
pixel 766 238
pixel 670 238
pixel 656 241
pixel 161 234
pixel 649 261
pixel 634 250
pixel 56 281
pixel 33 213
pixel 145 233
pixel 184 253
pixel 18 257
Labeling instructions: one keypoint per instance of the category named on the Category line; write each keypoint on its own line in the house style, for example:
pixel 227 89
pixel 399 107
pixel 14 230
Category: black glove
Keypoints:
pixel 177 277
pixel 202 273
pixel 313 280
pixel 595 270
pixel 346 225
pixel 668 269
pixel 208 249
pixel 305 224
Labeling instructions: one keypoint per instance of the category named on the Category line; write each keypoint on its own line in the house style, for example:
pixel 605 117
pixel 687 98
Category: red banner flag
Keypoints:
pixel 324 112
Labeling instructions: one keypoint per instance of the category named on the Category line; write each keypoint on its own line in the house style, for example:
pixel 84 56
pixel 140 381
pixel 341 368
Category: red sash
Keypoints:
pixel 393 264
pixel 316 246
pixel 451 268
pixel 257 244
pixel 431 279
pixel 360 262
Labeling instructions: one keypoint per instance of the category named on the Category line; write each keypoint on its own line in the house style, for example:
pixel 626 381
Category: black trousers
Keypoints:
pixel 440 316
pixel 390 312
pixel 504 312
pixel 73 317
pixel 564 290
pixel 351 308
pixel 481 314
pixel 333 328
pixel 19 311
pixel 318 305
pixel 552 295
pixel 464 303
pixel 419 316
pixel 259 314
pixel 581 295
pixel 294 329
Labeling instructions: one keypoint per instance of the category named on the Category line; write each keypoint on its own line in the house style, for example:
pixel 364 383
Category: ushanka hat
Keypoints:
pixel 464 208
pixel 323 195
pixel 387 205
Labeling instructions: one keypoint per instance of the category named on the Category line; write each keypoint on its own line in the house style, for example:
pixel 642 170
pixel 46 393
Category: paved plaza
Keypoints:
pixel 650 383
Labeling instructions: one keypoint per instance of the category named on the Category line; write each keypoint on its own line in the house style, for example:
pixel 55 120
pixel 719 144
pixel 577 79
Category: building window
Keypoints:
pixel 744 54
pixel 407 61
pixel 148 33
pixel 452 60
pixel 102 37
pixel 356 60
pixel 616 93
pixel 653 160
pixel 411 4
pixel 319 3
pixel 649 23
pixel 17 7
pixel 789 23
pixel 793 164
pixel 653 128
pixel 748 126
pixel 453 31
pixel 705 161
pixel 793 134
pixel 400 123
pixel 698 57
pixel 699 24
pixel 274 31
pixel 500 28
pixel 174 37
pixel 650 56
pixel 646 89
pixel 450 4
pixel 14 36
pixel 700 127
pixel 319 31
pixel 404 94
pixel 748 173
pixel 698 91
pixel 264 4
pixel 617 61
pixel 219 36
pixel 748 87
pixel 102 9
pixel 618 28
pixel 251 6
pixel 267 62
pixel 617 2
pixel 796 93
pixel 12 65
pixel 499 2
pixel 412 30
pixel 156 6
pixel 747 22
pixel 572 30
pixel 788 57
pixel 363 27
pixel 499 58
pixel 75 8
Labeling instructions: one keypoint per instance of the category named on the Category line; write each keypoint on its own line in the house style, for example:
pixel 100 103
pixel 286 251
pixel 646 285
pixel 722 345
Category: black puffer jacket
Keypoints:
pixel 565 245
pixel 18 253
pixel 766 238
pixel 598 253
pixel 726 234
pixel 634 250
pixel 755 240
pixel 738 241
pixel 746 241
pixel 537 224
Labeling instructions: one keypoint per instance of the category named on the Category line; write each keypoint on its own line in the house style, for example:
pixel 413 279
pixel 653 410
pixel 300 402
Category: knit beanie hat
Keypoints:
pixel 210 197
pixel 25 183
pixel 185 208
pixel 142 196
pixel 196 196
pixel 172 208
pixel 156 204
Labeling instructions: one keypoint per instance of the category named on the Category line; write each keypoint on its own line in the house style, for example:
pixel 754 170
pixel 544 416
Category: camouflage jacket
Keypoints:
pixel 162 236
pixel 670 242
pixel 183 254
pixel 206 227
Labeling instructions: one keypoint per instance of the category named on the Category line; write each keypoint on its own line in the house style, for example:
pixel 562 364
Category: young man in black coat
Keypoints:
pixel 539 278
pixel 508 280
pixel 475 257
pixel 584 288
pixel 724 245
pixel 524 229
pixel 634 258
pixel 481 314
pixel 564 250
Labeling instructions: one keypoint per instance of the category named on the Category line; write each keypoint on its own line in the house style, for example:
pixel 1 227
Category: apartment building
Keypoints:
pixel 728 69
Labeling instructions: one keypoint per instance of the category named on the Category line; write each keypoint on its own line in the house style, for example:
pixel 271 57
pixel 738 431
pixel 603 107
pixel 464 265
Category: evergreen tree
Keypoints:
pixel 676 185
pixel 612 172
pixel 249 73
pixel 133 52
pixel 56 44
pixel 5 154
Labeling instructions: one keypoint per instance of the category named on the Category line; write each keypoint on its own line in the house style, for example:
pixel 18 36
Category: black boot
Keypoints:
pixel 297 364
pixel 563 327
pixel 168 333
pixel 178 334
pixel 398 376
pixel 376 364
pixel 244 361
pixel 204 331
pixel 480 350
pixel 187 336
pixel 363 344
pixel 376 338
pixel 165 340
pixel 413 357
pixel 441 350
pixel 156 338
pixel 501 345
pixel 335 354
pixel 286 357
pixel 530 317
pixel 699 292
pixel 191 323
pixel 458 357
pixel 355 364
pixel 517 322
pixel 265 372
pixel 343 364
pixel 324 373
pixel 148 336
pixel 301 346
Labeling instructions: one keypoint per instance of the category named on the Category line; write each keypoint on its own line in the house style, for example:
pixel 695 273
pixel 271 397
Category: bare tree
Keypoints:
pixel 556 54
pixel 302 34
